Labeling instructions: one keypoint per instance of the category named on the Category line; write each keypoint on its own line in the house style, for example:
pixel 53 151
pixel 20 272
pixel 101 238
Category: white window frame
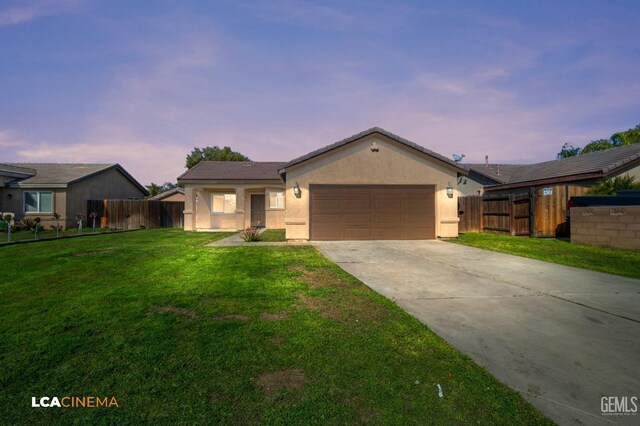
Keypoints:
pixel 37 197
pixel 226 209
pixel 276 198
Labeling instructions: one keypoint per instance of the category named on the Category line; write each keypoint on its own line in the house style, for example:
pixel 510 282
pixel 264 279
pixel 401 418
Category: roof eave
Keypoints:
pixel 461 170
pixel 546 181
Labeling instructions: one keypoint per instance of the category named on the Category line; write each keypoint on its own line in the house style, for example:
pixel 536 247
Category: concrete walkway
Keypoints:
pixel 236 240
pixel 564 337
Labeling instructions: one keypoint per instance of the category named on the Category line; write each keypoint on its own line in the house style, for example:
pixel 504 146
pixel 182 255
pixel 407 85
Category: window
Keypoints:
pixel 223 203
pixel 276 200
pixel 38 202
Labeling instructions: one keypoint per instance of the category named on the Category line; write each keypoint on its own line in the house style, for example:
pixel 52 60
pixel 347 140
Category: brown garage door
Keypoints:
pixel 372 212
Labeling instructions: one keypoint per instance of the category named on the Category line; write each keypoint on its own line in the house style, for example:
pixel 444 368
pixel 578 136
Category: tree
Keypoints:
pixel 568 151
pixel 597 145
pixel 155 189
pixel 213 153
pixel 628 137
pixel 611 185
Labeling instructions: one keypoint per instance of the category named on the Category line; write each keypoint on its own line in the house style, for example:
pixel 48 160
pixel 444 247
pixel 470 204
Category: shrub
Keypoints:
pixel 251 235
pixel 4 226
pixel 26 224
pixel 610 186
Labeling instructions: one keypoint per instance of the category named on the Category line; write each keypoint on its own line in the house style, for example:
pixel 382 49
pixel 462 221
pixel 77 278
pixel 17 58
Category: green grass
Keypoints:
pixel 273 235
pixel 602 259
pixel 144 317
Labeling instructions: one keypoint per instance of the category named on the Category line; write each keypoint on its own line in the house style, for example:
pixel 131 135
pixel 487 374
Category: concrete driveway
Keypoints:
pixel 563 337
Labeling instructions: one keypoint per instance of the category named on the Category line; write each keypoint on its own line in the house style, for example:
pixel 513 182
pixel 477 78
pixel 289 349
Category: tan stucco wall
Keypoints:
pixel 606 226
pixel 175 197
pixel 241 219
pixel 633 172
pixel 355 163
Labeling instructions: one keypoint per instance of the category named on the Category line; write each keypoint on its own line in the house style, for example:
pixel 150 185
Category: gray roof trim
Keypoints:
pixel 366 133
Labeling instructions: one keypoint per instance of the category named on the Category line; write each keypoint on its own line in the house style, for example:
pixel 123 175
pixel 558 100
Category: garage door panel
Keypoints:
pixel 327 218
pixel 425 218
pixel 357 204
pixel 416 204
pixel 357 234
pixel 358 219
pixel 365 212
pixel 389 218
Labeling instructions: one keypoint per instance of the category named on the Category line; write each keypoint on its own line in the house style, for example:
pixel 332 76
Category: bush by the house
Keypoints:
pixel 251 234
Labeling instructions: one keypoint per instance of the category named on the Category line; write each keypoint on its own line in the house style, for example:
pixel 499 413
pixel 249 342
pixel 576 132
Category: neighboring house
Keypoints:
pixel 173 194
pixel 580 171
pixel 373 185
pixel 42 189
pixel 550 185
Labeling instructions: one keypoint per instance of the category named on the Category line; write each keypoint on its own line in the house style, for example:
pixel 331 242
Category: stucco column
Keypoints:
pixel 190 208
pixel 239 208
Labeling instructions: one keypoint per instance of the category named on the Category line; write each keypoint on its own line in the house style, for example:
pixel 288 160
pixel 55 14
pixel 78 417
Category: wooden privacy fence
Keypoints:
pixel 132 214
pixel 506 213
pixel 542 212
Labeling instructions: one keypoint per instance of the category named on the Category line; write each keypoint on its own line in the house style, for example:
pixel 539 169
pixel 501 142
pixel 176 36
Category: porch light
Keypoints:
pixel 449 190
pixel 296 190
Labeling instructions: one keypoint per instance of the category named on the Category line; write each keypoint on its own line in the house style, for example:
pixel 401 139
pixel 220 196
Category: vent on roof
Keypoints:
pixel 249 165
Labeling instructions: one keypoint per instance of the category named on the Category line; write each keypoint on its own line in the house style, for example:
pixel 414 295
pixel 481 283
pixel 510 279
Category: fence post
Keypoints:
pixel 481 209
pixel 512 219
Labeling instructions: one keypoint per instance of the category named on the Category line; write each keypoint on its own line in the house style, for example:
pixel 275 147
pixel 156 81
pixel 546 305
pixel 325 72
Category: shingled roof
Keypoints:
pixel 233 170
pixel 596 164
pixel 372 131
pixel 64 174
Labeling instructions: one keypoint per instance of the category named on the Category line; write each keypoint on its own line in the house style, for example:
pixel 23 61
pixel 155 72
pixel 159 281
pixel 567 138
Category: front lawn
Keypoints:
pixel 183 333
pixel 269 235
pixel 602 259
pixel 45 234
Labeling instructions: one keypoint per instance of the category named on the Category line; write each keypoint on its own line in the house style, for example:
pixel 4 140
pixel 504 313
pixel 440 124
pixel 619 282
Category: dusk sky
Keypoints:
pixel 141 83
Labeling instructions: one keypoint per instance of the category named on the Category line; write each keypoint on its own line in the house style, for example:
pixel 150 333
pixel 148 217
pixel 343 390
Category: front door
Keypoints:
pixel 257 210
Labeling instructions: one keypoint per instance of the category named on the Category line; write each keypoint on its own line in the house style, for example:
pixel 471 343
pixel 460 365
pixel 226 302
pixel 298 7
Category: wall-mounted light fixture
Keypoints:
pixel 297 191
pixel 374 147
pixel 449 190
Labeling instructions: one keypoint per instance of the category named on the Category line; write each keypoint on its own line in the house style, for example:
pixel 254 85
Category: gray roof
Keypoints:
pixel 168 193
pixel 372 131
pixel 594 163
pixel 233 170
pixel 13 169
pixel 63 174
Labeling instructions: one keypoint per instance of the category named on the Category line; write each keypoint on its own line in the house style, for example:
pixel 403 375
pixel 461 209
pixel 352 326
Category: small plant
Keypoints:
pixel 93 216
pixel 79 219
pixel 57 225
pixel 26 224
pixel 5 225
pixel 250 235
pixel 36 228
